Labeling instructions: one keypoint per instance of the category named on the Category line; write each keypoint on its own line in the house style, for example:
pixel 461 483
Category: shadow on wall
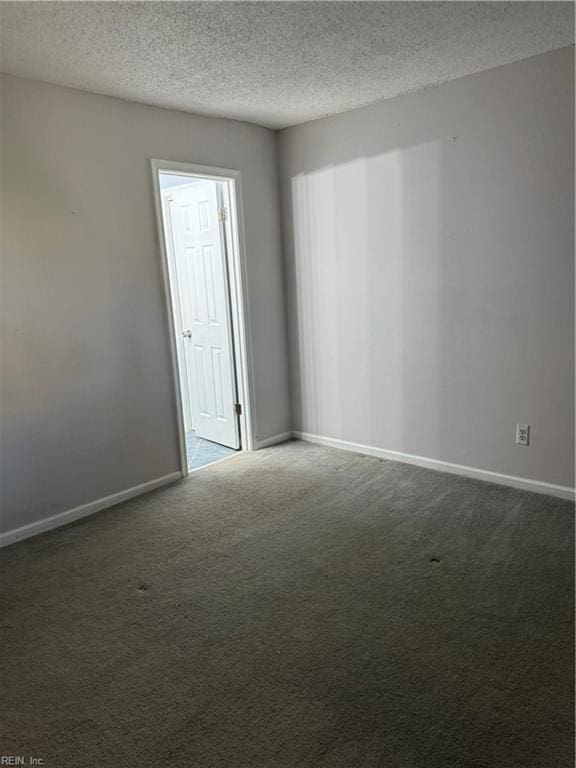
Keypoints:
pixel 430 273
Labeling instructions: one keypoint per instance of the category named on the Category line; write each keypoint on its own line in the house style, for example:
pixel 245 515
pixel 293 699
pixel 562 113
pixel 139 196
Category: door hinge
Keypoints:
pixel 222 214
pixel 238 409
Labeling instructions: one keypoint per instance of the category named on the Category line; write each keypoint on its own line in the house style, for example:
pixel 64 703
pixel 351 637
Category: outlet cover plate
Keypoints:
pixel 523 434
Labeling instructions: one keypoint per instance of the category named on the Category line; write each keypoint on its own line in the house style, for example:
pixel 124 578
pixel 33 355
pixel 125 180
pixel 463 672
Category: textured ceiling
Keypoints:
pixel 272 63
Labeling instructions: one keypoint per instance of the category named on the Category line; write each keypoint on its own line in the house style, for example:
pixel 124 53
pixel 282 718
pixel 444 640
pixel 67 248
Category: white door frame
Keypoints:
pixel 240 314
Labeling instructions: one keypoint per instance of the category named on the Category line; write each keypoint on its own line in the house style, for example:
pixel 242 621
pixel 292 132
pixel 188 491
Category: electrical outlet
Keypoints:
pixel 523 434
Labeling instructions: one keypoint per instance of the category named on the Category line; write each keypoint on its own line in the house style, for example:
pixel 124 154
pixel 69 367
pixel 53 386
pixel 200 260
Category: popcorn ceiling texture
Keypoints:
pixel 275 64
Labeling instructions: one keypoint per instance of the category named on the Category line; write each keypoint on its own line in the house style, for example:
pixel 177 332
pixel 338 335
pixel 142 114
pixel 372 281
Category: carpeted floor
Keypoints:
pixel 299 607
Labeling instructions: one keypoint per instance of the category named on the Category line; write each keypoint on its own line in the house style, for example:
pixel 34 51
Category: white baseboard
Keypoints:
pixel 522 483
pixel 70 515
pixel 62 518
pixel 274 440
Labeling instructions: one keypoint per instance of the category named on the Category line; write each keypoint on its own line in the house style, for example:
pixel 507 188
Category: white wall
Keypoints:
pixel 168 180
pixel 87 401
pixel 430 274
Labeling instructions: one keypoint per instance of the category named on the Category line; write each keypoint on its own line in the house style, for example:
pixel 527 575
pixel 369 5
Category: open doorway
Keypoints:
pixel 200 238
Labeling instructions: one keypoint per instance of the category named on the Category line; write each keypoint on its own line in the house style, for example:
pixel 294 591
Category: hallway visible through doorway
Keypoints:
pixel 196 213
pixel 201 452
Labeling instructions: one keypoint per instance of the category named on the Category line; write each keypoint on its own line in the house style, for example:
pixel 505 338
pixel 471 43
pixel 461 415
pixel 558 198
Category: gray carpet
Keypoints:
pixel 296 607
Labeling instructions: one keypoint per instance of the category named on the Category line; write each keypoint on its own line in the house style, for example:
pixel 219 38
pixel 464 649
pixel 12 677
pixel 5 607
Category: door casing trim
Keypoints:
pixel 240 305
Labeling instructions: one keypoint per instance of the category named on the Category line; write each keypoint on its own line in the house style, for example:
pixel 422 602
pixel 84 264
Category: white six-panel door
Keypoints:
pixel 200 266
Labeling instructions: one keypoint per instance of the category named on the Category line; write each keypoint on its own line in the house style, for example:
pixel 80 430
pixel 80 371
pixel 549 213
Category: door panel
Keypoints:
pixel 206 322
pixel 180 290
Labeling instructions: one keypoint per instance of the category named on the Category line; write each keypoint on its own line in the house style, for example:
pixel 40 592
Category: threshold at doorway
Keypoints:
pixel 202 452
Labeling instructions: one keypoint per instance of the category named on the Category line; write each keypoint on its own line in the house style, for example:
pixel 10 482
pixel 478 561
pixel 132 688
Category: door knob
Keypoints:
pixel 187 334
